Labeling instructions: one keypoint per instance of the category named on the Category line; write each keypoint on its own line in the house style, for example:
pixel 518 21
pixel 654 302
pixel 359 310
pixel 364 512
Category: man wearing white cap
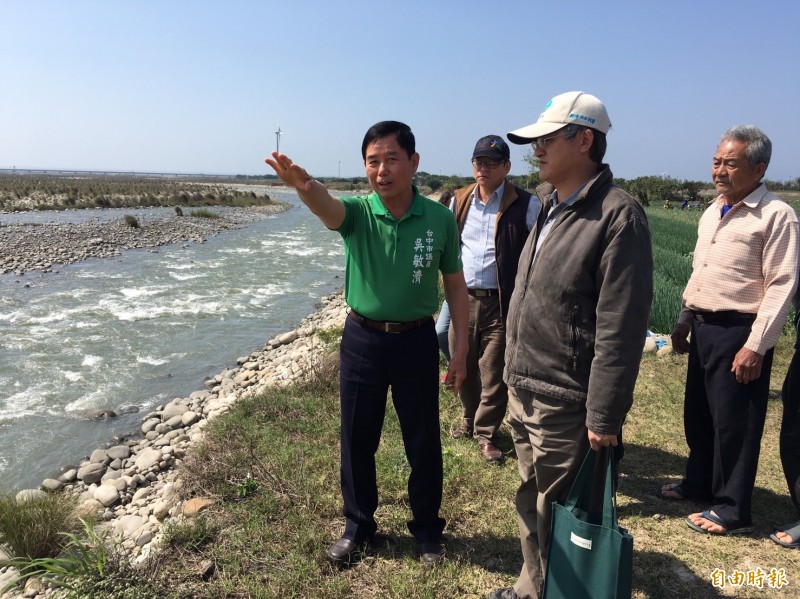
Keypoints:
pixel 577 319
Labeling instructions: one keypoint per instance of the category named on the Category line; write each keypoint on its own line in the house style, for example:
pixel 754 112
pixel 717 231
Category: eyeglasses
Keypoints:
pixel 541 143
pixel 485 164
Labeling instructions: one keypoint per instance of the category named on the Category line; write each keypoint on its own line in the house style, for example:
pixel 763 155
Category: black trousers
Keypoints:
pixel 372 362
pixel 790 429
pixel 723 420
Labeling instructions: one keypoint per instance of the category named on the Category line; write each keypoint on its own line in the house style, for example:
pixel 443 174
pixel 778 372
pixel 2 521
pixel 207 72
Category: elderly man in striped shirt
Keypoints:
pixel 735 306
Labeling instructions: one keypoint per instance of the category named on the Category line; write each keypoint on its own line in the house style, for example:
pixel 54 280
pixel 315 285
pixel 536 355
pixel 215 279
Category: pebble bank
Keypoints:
pixel 132 487
pixel 26 247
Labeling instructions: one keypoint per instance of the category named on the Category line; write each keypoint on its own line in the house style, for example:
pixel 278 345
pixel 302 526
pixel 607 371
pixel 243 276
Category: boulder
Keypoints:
pixel 194 506
pixel 91 473
pixel 119 452
pixel 147 459
pixel 107 495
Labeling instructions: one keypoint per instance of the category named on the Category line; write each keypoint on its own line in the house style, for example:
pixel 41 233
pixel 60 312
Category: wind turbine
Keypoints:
pixel 278 134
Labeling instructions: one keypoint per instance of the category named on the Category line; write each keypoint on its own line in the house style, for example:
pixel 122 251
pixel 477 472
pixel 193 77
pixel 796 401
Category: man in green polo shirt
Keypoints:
pixel 396 243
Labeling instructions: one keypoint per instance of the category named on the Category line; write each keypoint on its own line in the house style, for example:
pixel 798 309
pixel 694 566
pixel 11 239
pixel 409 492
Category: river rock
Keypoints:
pixel 89 507
pixel 8 578
pixel 107 495
pixel 150 424
pixel 51 484
pixel 189 418
pixel 194 506
pixel 91 473
pixel 129 524
pixel 119 452
pixel 173 409
pixel 162 508
pixel 69 475
pixel 99 456
pixel 147 459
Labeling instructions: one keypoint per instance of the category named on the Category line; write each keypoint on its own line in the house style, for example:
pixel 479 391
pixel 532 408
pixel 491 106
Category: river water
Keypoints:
pixel 143 328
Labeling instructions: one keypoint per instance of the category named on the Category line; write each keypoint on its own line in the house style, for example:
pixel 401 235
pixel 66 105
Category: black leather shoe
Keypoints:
pixel 507 593
pixel 431 552
pixel 342 552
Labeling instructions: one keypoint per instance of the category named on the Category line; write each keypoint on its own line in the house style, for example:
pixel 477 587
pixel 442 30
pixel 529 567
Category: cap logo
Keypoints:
pixel 549 104
pixel 581 117
pixel 495 143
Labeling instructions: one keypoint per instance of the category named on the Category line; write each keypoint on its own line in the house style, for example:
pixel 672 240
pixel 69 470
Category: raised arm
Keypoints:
pixel 314 194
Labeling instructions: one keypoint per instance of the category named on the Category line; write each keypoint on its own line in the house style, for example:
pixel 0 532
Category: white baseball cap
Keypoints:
pixel 569 108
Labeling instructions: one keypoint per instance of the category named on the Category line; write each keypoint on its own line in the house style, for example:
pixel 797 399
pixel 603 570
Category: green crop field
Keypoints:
pixel 674 235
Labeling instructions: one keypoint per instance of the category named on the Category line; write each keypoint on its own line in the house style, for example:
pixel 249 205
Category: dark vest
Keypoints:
pixel 511 231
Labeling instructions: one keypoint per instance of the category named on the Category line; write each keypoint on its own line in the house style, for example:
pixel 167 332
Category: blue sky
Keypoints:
pixel 201 86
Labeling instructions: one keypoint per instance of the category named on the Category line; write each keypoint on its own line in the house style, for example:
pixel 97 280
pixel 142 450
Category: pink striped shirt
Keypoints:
pixel 747 262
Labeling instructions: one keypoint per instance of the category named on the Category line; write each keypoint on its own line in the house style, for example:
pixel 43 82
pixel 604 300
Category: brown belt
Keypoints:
pixel 722 316
pixel 483 292
pixel 389 327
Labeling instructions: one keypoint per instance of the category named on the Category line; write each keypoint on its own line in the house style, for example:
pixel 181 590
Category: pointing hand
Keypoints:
pixel 289 172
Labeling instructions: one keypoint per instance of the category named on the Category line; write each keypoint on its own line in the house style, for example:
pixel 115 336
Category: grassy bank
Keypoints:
pixel 272 466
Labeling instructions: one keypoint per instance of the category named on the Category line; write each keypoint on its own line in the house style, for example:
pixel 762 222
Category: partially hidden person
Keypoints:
pixel 443 319
pixel 788 535
pixel 494 218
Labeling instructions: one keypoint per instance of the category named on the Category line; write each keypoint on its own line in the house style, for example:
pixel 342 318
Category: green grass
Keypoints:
pixel 271 542
pixel 33 528
pixel 91 566
pixel 674 234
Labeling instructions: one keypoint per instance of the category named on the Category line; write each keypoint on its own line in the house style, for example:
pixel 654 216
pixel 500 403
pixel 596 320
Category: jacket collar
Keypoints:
pixel 603 177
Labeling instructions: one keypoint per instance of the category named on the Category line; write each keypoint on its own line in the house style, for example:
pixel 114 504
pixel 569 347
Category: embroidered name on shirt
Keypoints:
pixel 423 256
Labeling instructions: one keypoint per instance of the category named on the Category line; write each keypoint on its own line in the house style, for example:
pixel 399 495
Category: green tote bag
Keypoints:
pixel 590 556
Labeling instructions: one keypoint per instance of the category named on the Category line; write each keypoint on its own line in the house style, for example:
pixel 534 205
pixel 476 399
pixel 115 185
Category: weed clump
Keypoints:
pixel 32 528
pixel 131 221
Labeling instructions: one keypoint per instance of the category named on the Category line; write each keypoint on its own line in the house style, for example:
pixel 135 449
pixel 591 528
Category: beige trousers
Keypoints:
pixel 550 439
pixel 483 393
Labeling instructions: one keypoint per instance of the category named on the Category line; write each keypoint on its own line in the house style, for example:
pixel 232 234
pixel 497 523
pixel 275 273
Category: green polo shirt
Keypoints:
pixel 392 266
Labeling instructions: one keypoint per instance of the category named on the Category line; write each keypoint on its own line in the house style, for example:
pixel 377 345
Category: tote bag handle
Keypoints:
pixel 593 493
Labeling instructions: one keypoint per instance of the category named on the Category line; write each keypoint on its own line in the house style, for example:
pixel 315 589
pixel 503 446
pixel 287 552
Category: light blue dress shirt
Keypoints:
pixel 477 238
